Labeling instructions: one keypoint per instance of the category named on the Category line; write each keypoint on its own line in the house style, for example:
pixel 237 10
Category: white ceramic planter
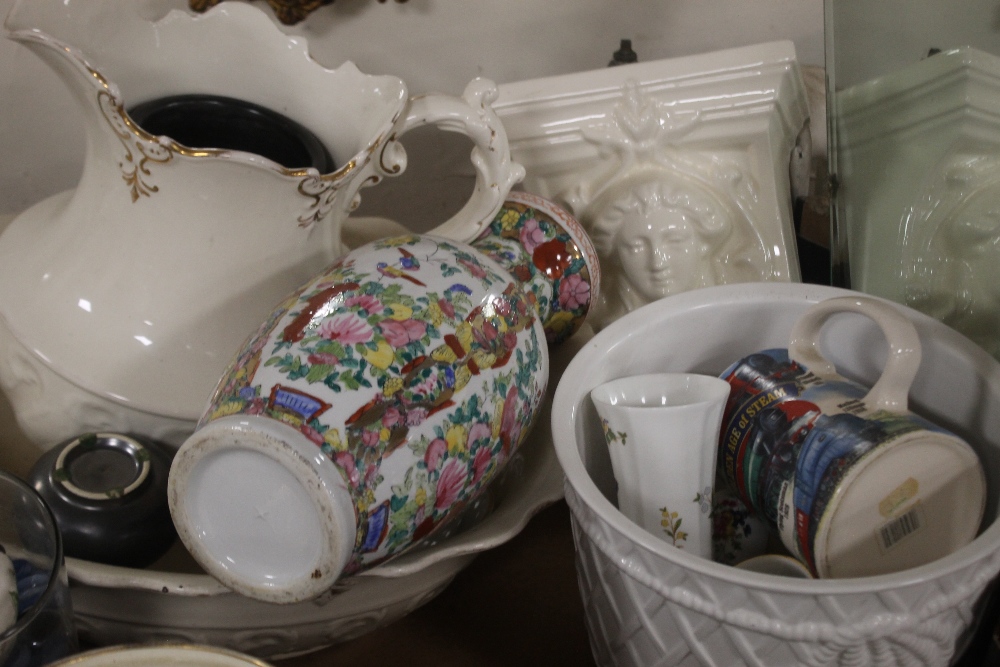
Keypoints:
pixel 648 603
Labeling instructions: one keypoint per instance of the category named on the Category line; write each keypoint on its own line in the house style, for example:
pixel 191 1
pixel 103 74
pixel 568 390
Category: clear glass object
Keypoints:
pixel 913 88
pixel 44 630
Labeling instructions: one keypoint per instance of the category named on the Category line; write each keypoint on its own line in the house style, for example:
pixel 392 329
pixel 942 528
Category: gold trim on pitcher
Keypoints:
pixel 138 142
pixel 134 143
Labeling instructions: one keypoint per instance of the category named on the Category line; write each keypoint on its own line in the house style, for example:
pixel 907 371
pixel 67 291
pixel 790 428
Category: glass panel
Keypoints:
pixel 914 90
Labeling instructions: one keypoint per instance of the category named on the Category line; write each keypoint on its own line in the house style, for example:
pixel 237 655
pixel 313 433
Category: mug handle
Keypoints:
pixel 472 115
pixel 891 391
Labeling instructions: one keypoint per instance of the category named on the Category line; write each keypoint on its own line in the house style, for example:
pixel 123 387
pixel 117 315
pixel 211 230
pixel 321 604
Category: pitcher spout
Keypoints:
pixel 105 47
pixel 137 285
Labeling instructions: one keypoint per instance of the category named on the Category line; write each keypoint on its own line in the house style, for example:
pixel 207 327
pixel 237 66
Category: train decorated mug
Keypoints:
pixel 854 483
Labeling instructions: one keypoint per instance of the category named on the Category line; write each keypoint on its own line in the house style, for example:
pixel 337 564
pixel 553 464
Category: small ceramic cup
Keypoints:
pixel 661 431
pixel 776 564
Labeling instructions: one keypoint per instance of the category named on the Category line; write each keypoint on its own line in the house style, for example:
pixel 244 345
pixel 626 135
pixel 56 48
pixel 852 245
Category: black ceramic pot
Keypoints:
pixel 108 493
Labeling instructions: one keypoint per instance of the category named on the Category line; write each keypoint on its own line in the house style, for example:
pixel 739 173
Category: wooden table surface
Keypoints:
pixel 517 604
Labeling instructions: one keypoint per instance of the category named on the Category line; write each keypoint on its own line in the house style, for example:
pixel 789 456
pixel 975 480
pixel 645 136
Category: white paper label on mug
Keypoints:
pixel 895 531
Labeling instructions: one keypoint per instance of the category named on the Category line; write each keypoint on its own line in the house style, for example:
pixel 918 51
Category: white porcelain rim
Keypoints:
pixel 138 653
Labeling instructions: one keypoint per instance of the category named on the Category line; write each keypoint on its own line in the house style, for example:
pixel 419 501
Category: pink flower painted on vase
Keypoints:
pixel 392 417
pixel 315 436
pixel 369 437
pixel 416 416
pixel 323 358
pixel 436 450
pixel 478 431
pixel 447 307
pixel 481 463
pixel 345 462
pixel 473 267
pixel 450 484
pixel 531 235
pixel 346 330
pixel 366 302
pixel 399 334
pixel 426 387
pixel 510 428
pixel 502 307
pixel 574 292
pixel 485 333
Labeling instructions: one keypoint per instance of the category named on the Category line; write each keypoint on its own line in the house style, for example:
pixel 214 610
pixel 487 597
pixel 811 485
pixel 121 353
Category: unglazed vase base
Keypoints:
pixel 241 496
pixel 261 509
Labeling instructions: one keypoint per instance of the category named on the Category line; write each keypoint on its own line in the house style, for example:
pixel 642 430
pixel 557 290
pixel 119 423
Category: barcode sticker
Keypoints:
pixel 893 532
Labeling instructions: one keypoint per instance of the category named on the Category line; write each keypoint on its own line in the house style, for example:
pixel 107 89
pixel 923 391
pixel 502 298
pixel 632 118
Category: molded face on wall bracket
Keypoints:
pixel 919 162
pixel 677 168
pixel 951 248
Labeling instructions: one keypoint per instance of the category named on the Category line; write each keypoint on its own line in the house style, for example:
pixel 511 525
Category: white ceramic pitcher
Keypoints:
pixel 123 299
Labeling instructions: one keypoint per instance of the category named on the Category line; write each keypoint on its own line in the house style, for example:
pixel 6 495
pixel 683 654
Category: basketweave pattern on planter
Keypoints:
pixel 642 610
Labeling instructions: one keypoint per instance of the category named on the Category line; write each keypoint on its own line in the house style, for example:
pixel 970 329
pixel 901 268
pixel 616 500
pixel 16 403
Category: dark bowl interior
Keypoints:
pixel 213 121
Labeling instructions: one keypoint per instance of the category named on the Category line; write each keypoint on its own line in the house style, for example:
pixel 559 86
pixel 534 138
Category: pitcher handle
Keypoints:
pixel 472 115
pixel 891 391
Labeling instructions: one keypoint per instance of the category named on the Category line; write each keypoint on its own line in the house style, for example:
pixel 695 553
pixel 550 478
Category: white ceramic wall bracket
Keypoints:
pixel 678 168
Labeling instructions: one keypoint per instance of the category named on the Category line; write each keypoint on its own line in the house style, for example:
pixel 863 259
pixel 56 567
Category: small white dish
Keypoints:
pixel 776 564
pixel 165 655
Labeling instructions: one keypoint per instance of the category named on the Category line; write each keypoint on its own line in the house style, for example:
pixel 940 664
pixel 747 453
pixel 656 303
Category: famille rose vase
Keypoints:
pixel 378 401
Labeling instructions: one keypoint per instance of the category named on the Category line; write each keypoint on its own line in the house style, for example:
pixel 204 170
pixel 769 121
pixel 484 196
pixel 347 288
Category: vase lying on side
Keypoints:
pixel 378 401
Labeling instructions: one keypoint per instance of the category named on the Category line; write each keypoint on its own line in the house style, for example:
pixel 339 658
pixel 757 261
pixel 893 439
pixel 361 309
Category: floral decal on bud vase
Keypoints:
pixel 610 435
